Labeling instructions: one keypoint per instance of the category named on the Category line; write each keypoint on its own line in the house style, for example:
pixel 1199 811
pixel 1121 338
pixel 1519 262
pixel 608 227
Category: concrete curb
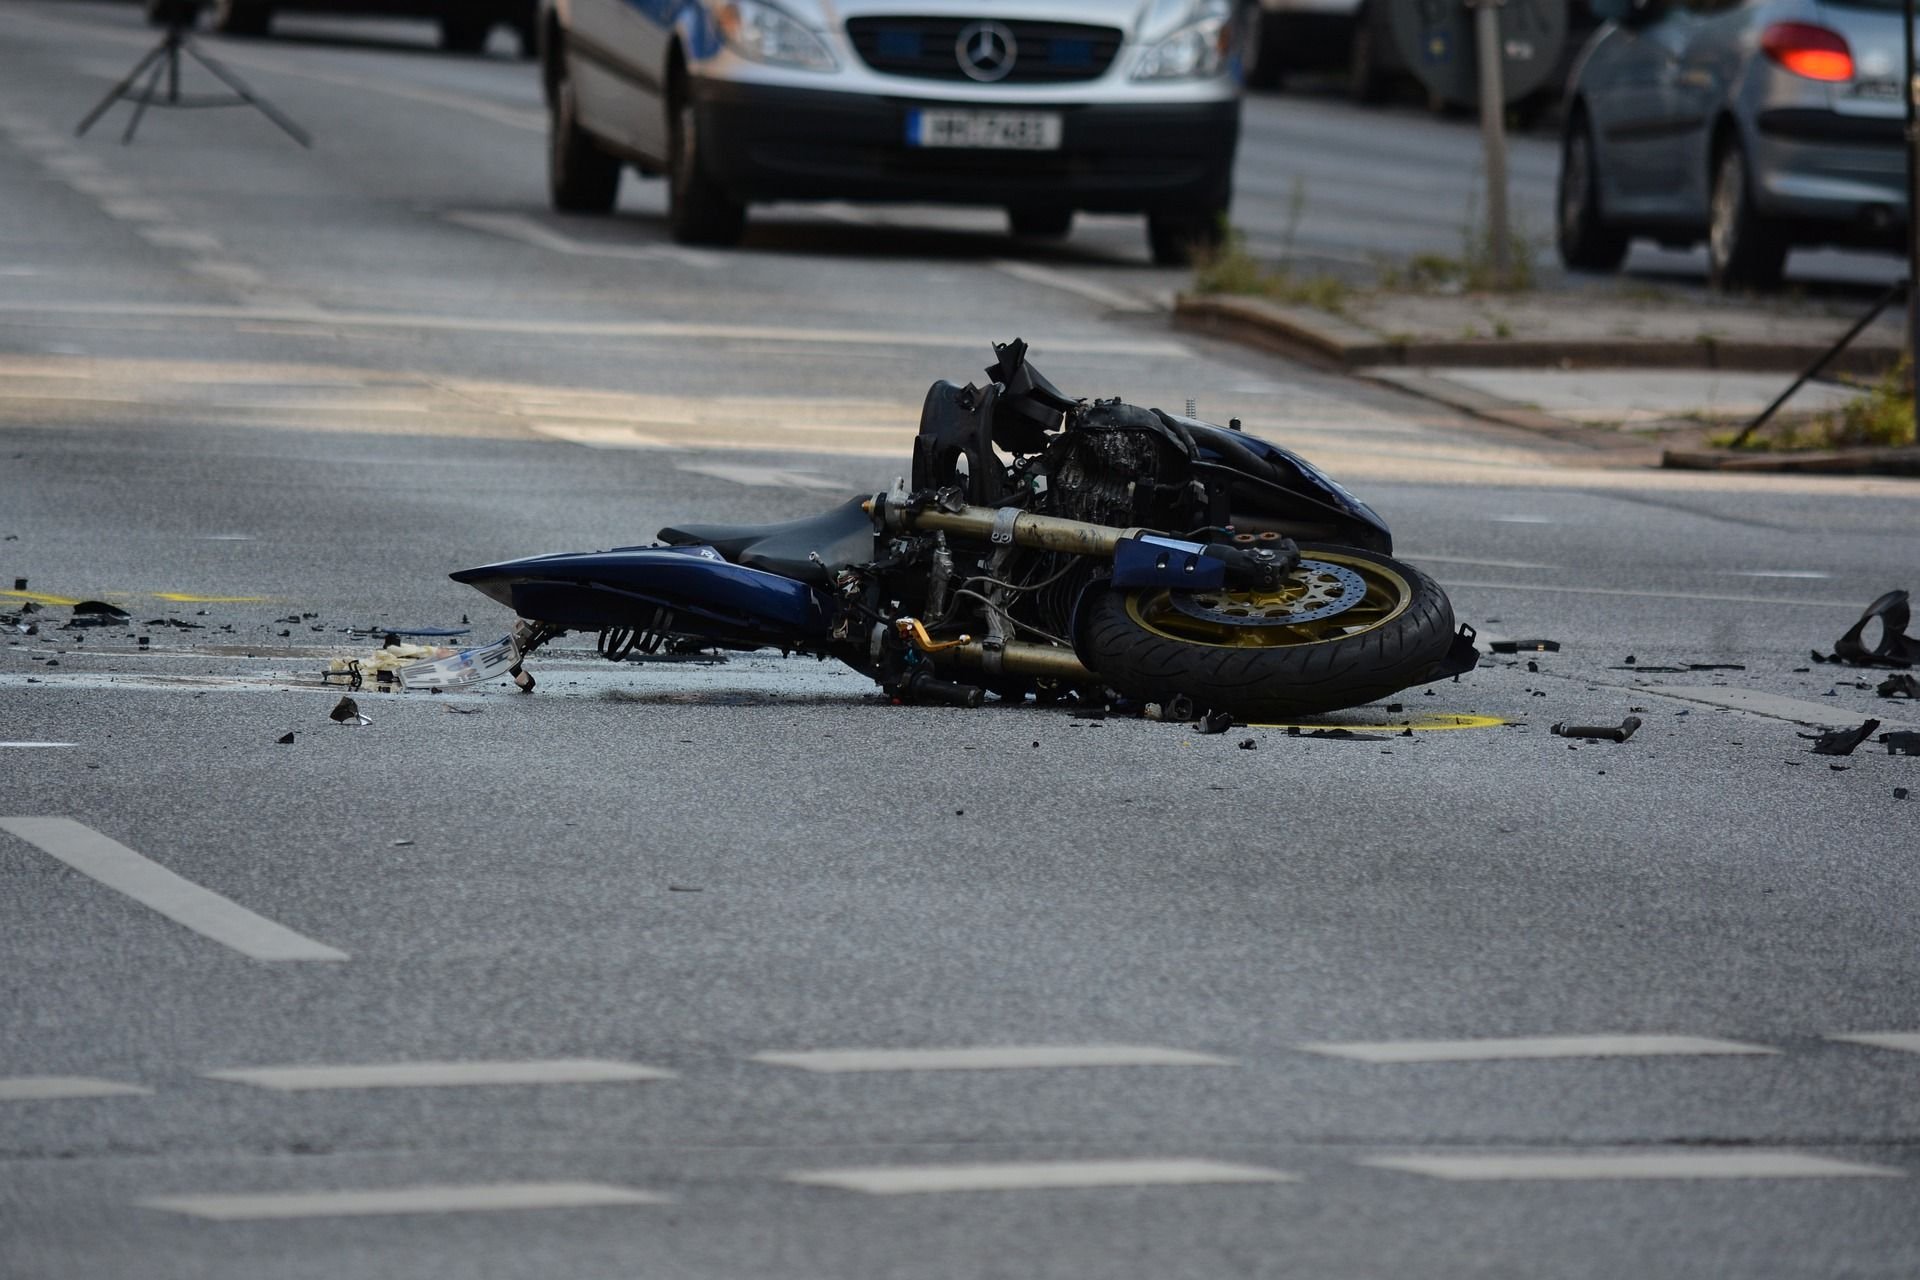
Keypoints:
pixel 1902 461
pixel 1300 333
pixel 1315 335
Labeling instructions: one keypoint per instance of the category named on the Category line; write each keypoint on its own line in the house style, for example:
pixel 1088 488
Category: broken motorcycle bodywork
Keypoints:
pixel 1045 545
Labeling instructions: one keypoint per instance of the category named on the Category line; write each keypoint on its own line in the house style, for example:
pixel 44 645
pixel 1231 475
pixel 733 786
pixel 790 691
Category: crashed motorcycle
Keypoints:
pixel 1046 546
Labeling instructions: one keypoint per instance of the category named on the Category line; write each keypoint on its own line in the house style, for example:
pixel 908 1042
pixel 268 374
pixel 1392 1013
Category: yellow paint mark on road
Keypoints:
pixel 181 598
pixel 1419 724
pixel 37 598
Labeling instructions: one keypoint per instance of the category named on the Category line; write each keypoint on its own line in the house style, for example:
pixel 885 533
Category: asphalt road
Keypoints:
pixel 275 395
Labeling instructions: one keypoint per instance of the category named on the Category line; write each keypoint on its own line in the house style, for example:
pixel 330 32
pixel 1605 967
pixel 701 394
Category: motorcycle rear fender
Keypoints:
pixel 629 586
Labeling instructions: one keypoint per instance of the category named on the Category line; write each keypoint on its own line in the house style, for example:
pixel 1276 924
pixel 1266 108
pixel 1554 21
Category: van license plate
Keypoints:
pixel 993 130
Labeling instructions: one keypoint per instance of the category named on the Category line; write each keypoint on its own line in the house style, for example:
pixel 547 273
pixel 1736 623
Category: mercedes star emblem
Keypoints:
pixel 986 50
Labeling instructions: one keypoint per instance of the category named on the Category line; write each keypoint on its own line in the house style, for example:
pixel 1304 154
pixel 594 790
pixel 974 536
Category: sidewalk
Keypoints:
pixel 1609 368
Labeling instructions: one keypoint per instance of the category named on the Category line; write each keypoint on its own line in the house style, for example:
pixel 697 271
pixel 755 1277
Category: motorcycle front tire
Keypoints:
pixel 1397 637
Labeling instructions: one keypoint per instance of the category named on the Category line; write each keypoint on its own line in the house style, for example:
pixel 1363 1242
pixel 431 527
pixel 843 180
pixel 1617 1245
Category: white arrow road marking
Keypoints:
pixel 422 1075
pixel 993 1058
pixel 47 1088
pixel 152 885
pixel 1595 1167
pixel 893 1180
pixel 496 1198
pixel 1602 1046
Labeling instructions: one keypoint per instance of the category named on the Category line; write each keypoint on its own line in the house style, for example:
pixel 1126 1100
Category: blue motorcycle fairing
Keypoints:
pixel 628 586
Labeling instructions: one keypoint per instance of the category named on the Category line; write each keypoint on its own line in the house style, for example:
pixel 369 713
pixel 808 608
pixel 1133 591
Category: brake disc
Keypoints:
pixel 1314 591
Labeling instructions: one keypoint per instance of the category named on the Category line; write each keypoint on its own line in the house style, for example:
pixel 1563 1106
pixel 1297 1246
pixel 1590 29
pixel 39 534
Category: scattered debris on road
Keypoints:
pixel 1841 742
pixel 1600 732
pixel 1215 722
pixel 1248 744
pixel 1904 743
pixel 285 739
pixel 97 613
pixel 1525 646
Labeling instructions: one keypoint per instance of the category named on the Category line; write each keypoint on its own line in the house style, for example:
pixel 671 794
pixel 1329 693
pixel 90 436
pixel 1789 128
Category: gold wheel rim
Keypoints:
pixel 1387 596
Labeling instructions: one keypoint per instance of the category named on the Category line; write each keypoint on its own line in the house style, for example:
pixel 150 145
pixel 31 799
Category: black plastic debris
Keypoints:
pixel 1395 708
pixel 1651 670
pixel 1716 666
pixel 1900 686
pixel 1248 744
pixel 1841 742
pixel 1525 646
pixel 1092 713
pixel 285 739
pixel 1337 735
pixel 1215 722
pixel 347 711
pixel 1900 793
pixel 97 613
pixel 177 623
pixel 1600 732
pixel 1904 743
pixel 19 584
pixel 1895 648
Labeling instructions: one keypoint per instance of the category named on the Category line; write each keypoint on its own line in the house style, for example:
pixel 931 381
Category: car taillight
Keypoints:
pixel 1807 50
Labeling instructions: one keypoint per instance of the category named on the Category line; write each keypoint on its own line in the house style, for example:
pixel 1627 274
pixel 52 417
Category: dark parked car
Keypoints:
pixel 464 24
pixel 1755 125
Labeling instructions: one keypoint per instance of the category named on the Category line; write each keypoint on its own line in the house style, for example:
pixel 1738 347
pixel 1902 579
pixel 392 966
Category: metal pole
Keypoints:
pixel 1913 223
pixel 1493 128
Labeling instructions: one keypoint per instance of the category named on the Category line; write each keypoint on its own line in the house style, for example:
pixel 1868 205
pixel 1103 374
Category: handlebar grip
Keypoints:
pixel 927 687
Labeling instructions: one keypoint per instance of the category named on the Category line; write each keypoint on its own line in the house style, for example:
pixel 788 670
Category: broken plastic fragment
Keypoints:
pixel 1895 648
pixel 1841 742
pixel 1525 646
pixel 347 711
pixel 1900 686
pixel 1904 743
pixel 285 739
pixel 1216 722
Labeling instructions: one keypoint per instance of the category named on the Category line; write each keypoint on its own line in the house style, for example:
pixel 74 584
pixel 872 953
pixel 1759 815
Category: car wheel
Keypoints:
pixel 1040 224
pixel 1744 250
pixel 241 18
pixel 1586 242
pixel 1366 82
pixel 581 178
pixel 465 34
pixel 1259 49
pixel 699 210
pixel 1176 238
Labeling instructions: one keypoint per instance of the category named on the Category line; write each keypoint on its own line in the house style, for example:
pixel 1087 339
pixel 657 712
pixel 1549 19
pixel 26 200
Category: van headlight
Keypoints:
pixel 754 29
pixel 1200 49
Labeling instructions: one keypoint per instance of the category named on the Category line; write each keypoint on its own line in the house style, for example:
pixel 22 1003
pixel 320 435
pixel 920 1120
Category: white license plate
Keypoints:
pixel 991 130
pixel 469 666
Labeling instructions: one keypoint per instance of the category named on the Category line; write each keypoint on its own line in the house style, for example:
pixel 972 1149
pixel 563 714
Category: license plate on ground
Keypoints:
pixel 988 130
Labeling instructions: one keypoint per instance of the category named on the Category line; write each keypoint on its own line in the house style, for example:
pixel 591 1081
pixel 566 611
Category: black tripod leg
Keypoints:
pixel 119 91
pixel 145 99
pixel 248 96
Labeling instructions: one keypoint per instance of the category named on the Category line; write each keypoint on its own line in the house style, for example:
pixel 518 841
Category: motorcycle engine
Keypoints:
pixel 1116 464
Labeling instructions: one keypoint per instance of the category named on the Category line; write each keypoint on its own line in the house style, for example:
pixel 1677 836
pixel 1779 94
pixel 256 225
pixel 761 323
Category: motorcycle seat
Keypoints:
pixel 840 537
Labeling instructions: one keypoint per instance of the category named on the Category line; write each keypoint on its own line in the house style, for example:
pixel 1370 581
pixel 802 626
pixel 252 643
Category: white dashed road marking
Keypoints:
pixel 48 1088
pixel 424 1075
pixel 1631 1046
pixel 1798 710
pixel 1599 1167
pixel 513 226
pixel 764 477
pixel 152 885
pixel 1039 1175
pixel 1007 1058
pixel 1904 1041
pixel 496 1198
